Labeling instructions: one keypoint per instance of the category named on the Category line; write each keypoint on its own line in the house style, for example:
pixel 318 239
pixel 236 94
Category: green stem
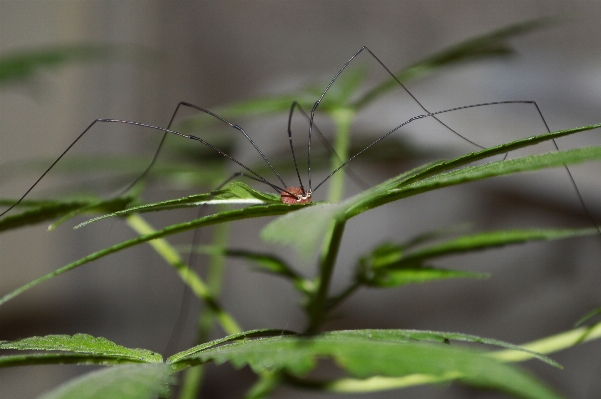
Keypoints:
pixel 550 344
pixel 193 378
pixel 267 383
pixel 192 382
pixel 317 306
pixel 193 280
pixel 343 118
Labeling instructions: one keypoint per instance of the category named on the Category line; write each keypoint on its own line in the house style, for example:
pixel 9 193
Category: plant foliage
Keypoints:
pixel 371 360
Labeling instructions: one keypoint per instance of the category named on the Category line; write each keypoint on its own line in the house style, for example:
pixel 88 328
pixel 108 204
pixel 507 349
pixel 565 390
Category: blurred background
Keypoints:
pixel 215 53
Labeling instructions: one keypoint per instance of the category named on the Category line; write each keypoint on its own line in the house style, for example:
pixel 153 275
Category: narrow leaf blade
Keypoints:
pixel 83 344
pixel 236 193
pixel 487 240
pixel 418 275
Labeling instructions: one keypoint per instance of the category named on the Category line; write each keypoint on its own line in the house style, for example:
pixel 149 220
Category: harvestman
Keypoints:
pixel 300 194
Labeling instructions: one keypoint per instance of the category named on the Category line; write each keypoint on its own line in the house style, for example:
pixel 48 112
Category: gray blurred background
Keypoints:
pixel 213 53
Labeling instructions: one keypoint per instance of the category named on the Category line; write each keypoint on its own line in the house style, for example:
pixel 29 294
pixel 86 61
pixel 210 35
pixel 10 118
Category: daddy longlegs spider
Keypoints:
pixel 302 194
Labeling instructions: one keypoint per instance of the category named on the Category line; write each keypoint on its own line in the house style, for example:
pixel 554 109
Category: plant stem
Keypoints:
pixel 343 118
pixel 193 280
pixel 550 344
pixel 267 383
pixel 317 307
pixel 215 278
pixel 193 378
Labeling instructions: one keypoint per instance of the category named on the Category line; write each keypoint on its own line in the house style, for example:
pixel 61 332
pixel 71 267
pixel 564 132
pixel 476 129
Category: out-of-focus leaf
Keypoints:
pixel 489 45
pixel 417 275
pixel 178 173
pixel 48 210
pixel 82 344
pixel 383 255
pixel 341 93
pixel 375 269
pixel 263 262
pixel 302 229
pixel 481 241
pixel 434 235
pixel 588 316
pixel 264 106
pixel 23 64
pixel 125 382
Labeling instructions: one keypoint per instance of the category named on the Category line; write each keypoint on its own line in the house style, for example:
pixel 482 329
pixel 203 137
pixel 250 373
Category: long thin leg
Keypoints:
pixel 318 102
pixel 433 115
pixel 422 116
pixel 157 151
pixel 199 108
pixel 259 177
pixel 206 111
pixel 294 105
pixel 325 142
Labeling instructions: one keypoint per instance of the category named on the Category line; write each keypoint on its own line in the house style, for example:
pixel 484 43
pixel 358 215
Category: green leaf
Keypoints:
pixel 486 240
pixel 315 220
pixel 383 255
pixel 389 191
pixel 436 336
pixel 588 316
pixel 340 94
pixel 435 235
pixel 45 211
pixel 417 275
pixel 302 229
pixel 495 150
pixel 36 359
pixel 374 269
pixel 369 354
pixel 400 336
pixel 82 344
pixel 236 193
pixel 489 45
pixel 355 205
pixel 124 382
pixel 265 332
pixel 263 262
pixel 221 217
pixel 21 65
pixel 264 106
pixel 108 205
pixel 48 210
pixel 555 343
